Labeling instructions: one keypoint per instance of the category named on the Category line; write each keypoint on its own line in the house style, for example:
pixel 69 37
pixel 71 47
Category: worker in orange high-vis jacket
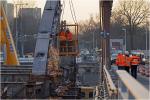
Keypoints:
pixel 127 61
pixel 120 61
pixel 62 36
pixel 135 61
pixel 123 61
pixel 69 35
pixel 69 40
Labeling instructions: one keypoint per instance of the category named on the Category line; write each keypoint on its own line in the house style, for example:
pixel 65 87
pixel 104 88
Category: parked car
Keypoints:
pixel 142 70
pixel 113 58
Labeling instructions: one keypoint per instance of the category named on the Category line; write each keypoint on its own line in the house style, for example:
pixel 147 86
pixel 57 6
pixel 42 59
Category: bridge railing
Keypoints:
pixel 130 88
pixel 110 86
pixel 107 88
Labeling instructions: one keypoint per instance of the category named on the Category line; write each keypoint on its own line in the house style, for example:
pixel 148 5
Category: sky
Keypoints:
pixel 83 8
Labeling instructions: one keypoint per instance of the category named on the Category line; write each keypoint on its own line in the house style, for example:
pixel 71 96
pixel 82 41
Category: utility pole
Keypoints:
pixel 93 40
pixel 125 38
pixel 146 36
pixel 105 13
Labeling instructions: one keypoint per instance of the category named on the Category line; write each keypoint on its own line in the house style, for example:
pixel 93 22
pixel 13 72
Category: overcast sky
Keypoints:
pixel 83 8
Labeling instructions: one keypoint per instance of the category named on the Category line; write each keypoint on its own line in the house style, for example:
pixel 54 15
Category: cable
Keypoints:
pixel 71 11
pixel 63 9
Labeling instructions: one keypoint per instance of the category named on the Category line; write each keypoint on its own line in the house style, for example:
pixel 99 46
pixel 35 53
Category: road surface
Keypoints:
pixel 143 80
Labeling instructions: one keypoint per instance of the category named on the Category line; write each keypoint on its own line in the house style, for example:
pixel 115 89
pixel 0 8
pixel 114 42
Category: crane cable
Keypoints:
pixel 72 11
pixel 63 9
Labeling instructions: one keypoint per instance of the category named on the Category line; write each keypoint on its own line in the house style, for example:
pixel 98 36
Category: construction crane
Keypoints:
pixel 7 43
pixel 48 77
pixel 47 31
pixel 45 64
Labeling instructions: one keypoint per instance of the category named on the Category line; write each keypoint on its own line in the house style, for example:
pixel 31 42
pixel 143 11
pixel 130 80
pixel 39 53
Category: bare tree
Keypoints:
pixel 89 32
pixel 133 13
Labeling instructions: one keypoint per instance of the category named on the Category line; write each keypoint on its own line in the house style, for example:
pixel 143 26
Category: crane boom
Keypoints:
pixel 48 27
pixel 7 43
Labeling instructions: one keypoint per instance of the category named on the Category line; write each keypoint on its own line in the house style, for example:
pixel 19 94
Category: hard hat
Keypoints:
pixel 126 53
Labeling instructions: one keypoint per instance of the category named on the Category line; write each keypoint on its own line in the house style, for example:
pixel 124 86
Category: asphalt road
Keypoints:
pixel 143 80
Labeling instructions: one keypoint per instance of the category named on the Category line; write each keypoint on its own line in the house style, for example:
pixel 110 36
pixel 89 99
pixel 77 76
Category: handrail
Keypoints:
pixel 13 82
pixel 133 86
pixel 111 86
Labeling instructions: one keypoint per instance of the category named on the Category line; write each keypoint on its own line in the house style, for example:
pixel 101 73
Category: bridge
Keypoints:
pixel 54 73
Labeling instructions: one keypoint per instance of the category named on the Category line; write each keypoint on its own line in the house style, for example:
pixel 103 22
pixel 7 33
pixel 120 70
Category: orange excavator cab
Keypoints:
pixel 68 40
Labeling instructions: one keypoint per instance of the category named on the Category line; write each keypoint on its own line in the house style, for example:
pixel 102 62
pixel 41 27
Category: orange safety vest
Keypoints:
pixel 120 61
pixel 117 59
pixel 69 36
pixel 135 60
pixel 127 61
pixel 62 36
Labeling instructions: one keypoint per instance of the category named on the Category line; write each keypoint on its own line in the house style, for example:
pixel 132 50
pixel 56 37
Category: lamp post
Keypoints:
pixel 146 36
pixel 125 38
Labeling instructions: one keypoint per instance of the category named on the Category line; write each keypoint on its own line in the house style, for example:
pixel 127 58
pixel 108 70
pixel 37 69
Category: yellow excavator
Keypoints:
pixel 6 41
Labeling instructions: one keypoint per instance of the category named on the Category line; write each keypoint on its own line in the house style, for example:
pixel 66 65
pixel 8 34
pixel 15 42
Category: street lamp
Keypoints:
pixel 125 38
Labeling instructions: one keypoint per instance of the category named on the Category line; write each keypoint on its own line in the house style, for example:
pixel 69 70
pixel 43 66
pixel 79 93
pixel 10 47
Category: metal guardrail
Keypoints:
pixel 13 82
pixel 107 89
pixel 111 88
pixel 130 88
pixel 15 71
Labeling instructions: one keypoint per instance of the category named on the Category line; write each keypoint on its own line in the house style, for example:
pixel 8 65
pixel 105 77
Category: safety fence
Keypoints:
pixel 109 84
pixel 124 87
pixel 107 88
